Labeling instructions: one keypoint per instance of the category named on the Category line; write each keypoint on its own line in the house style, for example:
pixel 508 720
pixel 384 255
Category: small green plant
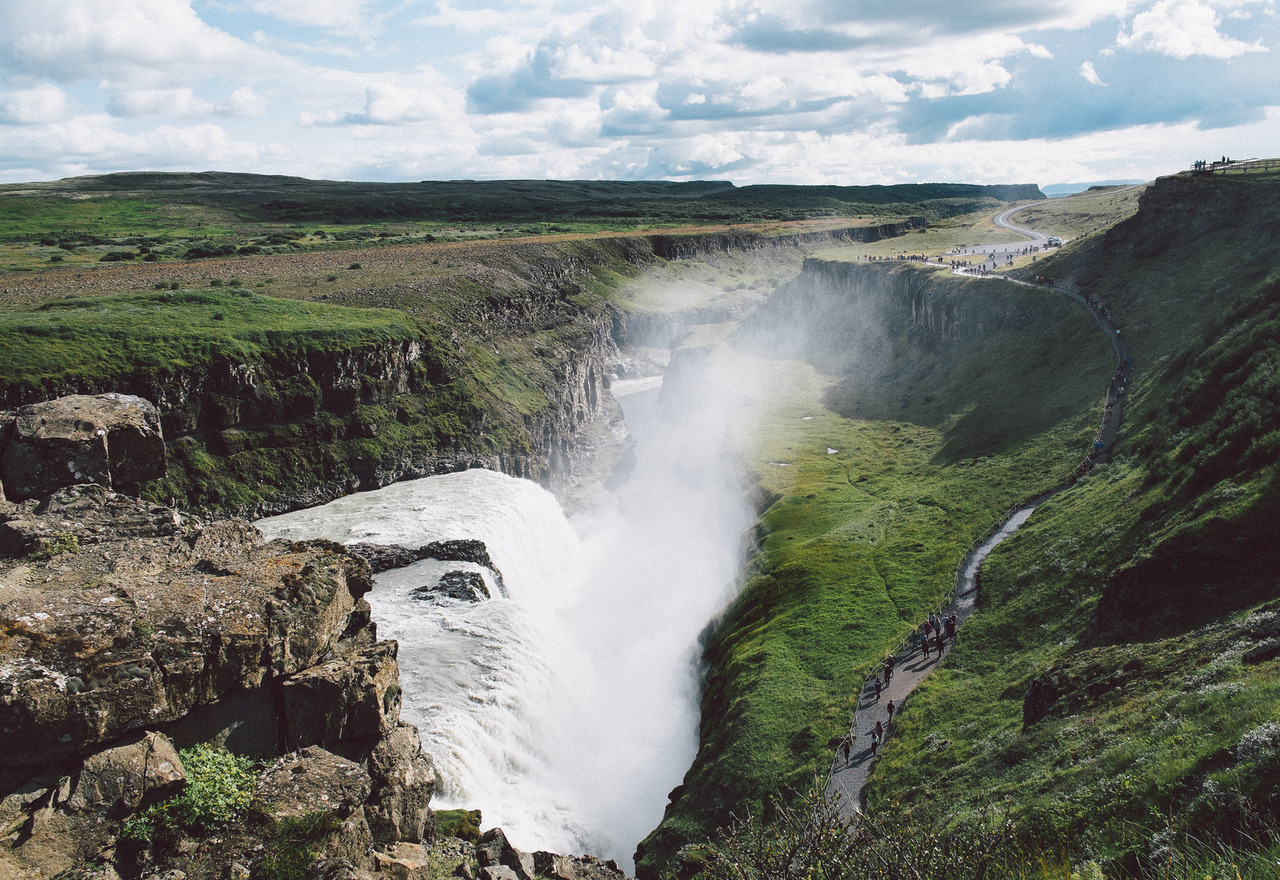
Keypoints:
pixel 217 793
pixel 331 278
pixel 354 266
pixel 463 824
pixel 293 845
pixel 56 546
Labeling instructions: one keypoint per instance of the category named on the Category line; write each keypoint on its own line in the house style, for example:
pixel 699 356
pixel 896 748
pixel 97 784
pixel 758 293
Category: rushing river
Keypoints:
pixel 565 709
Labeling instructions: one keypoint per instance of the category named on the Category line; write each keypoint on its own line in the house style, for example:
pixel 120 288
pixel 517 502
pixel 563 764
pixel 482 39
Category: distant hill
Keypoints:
pixel 1057 190
pixel 275 198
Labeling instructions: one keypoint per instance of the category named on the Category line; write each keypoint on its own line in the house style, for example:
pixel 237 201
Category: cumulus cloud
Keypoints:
pixel 41 104
pixel 1090 75
pixel 1181 29
pixel 126 42
pixel 786 90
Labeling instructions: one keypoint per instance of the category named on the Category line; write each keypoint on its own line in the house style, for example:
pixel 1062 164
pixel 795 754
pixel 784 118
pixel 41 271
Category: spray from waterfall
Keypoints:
pixel 568 709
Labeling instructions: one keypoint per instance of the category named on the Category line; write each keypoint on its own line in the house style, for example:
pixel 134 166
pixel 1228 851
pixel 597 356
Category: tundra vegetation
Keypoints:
pixel 1133 605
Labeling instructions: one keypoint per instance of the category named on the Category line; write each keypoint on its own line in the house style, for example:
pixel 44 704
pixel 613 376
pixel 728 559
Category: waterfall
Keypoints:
pixel 567 709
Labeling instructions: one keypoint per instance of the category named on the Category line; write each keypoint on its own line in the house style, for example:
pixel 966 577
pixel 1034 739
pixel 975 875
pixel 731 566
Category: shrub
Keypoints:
pixel 217 794
pixel 814 840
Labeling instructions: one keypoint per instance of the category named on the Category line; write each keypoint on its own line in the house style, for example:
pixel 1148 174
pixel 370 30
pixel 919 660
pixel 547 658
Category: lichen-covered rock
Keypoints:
pixel 558 867
pixel 54 824
pixel 404 782
pixel 311 781
pixel 110 439
pixel 355 696
pixel 121 779
pixel 98 641
pixel 337 869
pixel 405 861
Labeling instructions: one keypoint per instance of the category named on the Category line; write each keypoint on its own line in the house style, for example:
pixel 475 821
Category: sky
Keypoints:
pixel 762 91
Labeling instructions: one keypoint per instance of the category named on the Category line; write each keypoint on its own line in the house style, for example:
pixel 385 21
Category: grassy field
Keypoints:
pixel 93 338
pixel 166 217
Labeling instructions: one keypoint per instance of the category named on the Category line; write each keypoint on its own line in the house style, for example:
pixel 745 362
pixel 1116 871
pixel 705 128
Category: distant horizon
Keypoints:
pixel 803 92
pixel 1051 190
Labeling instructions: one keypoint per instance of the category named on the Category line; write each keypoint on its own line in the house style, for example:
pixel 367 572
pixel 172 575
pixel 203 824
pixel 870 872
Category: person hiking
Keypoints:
pixel 878 733
pixel 848 744
pixel 878 687
pixel 925 645
pixel 890 707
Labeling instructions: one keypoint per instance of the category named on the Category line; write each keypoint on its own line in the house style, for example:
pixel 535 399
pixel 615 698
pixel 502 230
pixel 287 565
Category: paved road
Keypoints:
pixel 1038 239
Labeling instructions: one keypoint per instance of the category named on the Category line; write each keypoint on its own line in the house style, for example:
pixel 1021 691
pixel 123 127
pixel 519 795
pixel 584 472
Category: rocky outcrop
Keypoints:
pixel 173 630
pixel 112 440
pixel 462 586
pixel 384 558
pixel 499 860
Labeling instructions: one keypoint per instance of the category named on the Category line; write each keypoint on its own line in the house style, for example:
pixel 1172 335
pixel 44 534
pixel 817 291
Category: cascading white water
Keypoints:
pixel 567 710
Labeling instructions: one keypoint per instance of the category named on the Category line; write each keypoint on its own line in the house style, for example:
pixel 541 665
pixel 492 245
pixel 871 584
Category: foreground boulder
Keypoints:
pixel 109 439
pixel 95 643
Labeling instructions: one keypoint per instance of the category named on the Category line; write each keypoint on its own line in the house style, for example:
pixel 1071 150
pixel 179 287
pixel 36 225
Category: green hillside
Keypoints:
pixel 1117 689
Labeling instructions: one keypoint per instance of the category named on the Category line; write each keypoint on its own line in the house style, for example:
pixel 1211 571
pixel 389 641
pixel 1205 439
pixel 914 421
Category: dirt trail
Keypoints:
pixel 847 778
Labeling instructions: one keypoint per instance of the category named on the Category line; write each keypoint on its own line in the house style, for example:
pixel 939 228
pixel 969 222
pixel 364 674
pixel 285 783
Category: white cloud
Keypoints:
pixel 31 106
pixel 97 143
pixel 244 101
pixel 159 102
pixel 136 43
pixel 332 14
pixel 1090 75
pixel 1181 29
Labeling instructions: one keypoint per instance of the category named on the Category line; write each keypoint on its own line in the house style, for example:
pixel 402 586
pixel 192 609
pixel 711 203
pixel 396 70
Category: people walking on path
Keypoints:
pixel 848 783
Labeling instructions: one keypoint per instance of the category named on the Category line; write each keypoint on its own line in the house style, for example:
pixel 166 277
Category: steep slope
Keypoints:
pixel 1118 685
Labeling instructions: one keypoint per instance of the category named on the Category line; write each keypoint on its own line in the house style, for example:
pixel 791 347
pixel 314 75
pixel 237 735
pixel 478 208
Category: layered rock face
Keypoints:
pixel 119 645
